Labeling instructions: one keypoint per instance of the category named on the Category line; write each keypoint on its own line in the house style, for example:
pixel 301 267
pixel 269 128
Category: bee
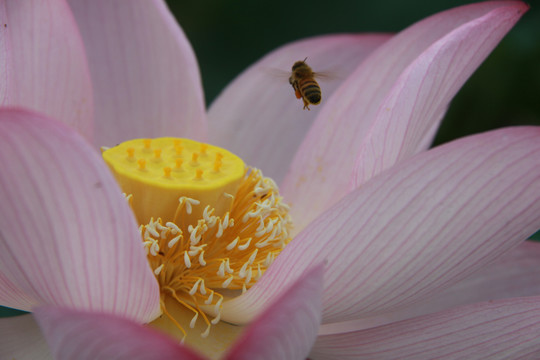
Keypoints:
pixel 304 84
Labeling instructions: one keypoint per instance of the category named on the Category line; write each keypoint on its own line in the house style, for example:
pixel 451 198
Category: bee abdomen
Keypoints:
pixel 311 90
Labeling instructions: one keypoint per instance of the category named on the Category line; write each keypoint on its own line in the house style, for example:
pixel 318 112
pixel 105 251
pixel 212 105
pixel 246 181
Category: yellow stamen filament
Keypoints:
pixel 205 243
pixel 215 253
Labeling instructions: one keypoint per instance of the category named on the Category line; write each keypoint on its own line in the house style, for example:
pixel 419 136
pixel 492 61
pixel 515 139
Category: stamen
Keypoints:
pixel 201 249
pixel 194 320
pixel 201 259
pixel 194 288
pixel 245 245
pixel 233 244
pixel 187 261
pixel 158 269
pixel 227 282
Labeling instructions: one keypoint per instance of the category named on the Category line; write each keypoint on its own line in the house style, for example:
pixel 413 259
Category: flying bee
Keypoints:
pixel 304 84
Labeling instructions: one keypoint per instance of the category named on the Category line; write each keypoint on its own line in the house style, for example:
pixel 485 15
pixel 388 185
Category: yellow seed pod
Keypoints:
pixel 159 172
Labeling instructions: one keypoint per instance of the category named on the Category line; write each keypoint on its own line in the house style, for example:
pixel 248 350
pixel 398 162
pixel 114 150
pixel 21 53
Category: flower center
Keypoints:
pixel 209 224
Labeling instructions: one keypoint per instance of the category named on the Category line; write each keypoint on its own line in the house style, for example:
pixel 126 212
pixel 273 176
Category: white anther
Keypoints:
pixel 245 245
pixel 194 288
pixel 174 240
pixel 218 305
pixel 273 234
pixel 249 275
pixel 152 232
pixel 268 260
pixel 262 244
pixel 216 319
pixel 194 237
pixel 225 221
pixel 207 212
pixel 242 272
pixel 251 214
pixel 210 298
pixel 189 203
pixel 227 282
pixel 232 244
pixel 221 270
pixel 154 248
pixel 201 259
pixel 202 288
pixel 228 267
pixel 174 228
pixel 206 332
pixel 259 272
pixel 229 196
pixel 187 261
pixel 253 256
pixel 158 269
pixel 194 320
pixel 220 230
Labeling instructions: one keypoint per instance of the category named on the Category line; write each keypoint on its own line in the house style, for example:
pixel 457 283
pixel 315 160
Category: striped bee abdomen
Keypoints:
pixel 310 90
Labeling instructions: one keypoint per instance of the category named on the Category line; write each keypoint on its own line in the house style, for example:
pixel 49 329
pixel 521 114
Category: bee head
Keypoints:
pixel 299 63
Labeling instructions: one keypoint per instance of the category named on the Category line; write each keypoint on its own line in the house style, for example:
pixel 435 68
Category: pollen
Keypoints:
pixel 210 230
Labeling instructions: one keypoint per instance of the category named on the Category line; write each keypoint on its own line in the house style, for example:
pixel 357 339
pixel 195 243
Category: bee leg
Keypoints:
pixel 306 104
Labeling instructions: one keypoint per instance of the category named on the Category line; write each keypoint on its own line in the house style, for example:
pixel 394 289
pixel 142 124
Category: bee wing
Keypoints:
pixel 326 75
pixel 277 73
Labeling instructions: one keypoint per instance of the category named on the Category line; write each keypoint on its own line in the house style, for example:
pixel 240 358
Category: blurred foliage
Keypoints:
pixel 228 36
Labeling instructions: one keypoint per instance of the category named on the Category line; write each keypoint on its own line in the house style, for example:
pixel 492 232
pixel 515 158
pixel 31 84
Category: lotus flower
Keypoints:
pixel 397 250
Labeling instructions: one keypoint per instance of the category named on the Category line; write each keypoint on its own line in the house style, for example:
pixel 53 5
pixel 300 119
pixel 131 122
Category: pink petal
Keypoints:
pixel 44 64
pixel 387 107
pixel 145 75
pixel 425 89
pixel 21 339
pixel 288 328
pixel 84 335
pixel 258 117
pixel 504 329
pixel 68 236
pixel 416 228
pixel 517 274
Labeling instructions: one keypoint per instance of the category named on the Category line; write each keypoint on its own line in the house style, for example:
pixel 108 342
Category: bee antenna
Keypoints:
pixel 305 59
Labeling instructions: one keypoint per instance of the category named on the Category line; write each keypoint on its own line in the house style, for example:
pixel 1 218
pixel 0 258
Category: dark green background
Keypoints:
pixel 228 36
